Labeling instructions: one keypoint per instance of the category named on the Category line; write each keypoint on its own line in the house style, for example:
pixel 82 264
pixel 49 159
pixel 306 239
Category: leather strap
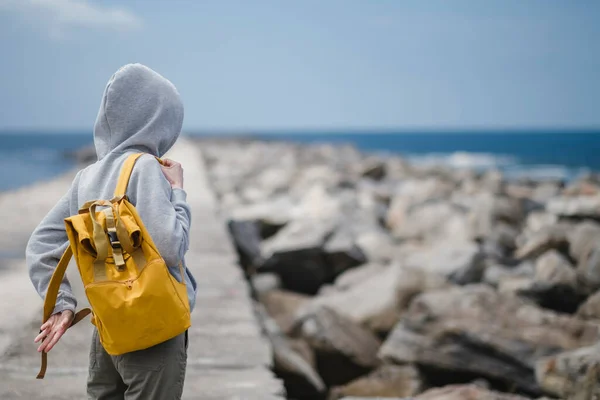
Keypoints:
pixel 126 173
pixel 50 301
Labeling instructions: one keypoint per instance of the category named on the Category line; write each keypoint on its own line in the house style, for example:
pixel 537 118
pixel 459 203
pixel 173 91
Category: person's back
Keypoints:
pixel 140 112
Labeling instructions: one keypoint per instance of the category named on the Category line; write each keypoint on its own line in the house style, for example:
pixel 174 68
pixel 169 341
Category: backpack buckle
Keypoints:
pixel 114 240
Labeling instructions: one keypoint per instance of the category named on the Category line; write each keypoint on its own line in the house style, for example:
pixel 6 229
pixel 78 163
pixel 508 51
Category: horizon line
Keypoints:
pixel 330 131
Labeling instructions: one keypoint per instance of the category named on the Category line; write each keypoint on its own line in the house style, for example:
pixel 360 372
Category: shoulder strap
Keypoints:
pixel 50 300
pixel 126 173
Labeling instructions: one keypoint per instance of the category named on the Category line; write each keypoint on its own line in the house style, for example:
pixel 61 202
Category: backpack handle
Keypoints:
pixel 126 173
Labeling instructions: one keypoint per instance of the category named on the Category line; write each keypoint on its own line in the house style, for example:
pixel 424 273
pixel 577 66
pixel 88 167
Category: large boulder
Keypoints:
pixel 295 253
pixel 413 192
pixel 283 305
pixel 358 275
pixel 299 374
pixel 555 284
pixel 546 238
pixel 490 209
pixel 246 237
pixel 344 350
pixel 584 247
pixel 376 244
pixel 380 299
pixel 474 330
pixel 577 206
pixel 318 203
pixel 270 215
pixel 590 309
pixel 444 257
pixel 386 381
pixel 373 168
pixel 341 250
pixel 433 221
pixel 496 274
pixel 466 392
pixel 573 374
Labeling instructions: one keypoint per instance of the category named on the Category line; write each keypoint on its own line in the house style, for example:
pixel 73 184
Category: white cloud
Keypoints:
pixel 63 15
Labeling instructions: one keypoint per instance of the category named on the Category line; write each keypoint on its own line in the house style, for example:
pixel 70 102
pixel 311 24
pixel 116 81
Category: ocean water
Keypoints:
pixel 26 158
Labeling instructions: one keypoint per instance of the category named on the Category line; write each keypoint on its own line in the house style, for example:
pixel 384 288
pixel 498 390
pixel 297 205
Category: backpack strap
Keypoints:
pixel 50 301
pixel 126 173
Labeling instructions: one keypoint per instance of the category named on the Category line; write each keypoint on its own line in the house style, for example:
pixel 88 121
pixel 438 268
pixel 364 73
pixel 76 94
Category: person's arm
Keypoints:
pixel 163 209
pixel 44 249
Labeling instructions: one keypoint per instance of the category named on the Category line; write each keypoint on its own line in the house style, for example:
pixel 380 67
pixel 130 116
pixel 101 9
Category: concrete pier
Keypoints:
pixel 228 357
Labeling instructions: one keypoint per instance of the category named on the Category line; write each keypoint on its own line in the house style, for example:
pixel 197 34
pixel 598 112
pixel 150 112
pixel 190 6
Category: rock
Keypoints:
pixel 550 237
pixel 572 374
pixel 553 268
pixel 472 272
pixel 466 392
pixel 282 306
pixel 373 168
pixel 270 215
pixel 265 282
pixel 433 221
pixel 488 209
pixel 343 349
pixel 295 253
pixel 555 284
pixel 376 244
pixel 311 175
pixel 476 330
pixel 317 203
pixel 546 191
pixel 386 381
pixel 246 237
pixel 579 206
pixel 358 275
pixel 516 284
pixel 299 375
pixel 583 187
pixel 341 251
pixel 412 192
pixel 492 181
pixel 582 238
pixel 496 273
pixel 301 347
pixel 590 309
pixel 444 257
pixel 585 248
pixel 380 299
pixel 504 237
pixel 538 220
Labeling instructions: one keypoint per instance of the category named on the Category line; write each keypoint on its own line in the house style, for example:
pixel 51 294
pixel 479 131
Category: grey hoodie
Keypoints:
pixel 140 112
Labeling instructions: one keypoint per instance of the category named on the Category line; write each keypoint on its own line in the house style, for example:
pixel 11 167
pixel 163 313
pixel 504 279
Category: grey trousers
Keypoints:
pixel 156 373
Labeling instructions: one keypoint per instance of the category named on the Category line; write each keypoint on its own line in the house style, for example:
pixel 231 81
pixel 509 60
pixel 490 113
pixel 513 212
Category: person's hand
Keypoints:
pixel 53 329
pixel 173 172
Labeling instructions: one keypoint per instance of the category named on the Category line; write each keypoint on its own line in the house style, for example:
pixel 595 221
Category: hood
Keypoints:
pixel 140 111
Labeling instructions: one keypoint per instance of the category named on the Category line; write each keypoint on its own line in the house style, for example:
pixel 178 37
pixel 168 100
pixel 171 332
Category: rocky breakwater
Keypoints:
pixel 378 278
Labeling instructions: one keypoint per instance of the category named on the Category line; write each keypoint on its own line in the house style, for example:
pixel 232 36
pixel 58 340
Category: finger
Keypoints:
pixel 44 344
pixel 48 323
pixel 57 335
pixel 41 336
pixel 167 162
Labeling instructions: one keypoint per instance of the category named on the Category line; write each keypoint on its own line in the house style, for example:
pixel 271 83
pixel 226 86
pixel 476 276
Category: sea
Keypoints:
pixel 30 157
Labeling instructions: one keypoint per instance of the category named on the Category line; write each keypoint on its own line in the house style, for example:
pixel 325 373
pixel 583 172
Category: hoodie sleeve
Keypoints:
pixel 164 210
pixel 44 249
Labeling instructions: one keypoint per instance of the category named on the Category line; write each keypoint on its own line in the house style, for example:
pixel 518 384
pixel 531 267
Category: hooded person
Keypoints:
pixel 140 112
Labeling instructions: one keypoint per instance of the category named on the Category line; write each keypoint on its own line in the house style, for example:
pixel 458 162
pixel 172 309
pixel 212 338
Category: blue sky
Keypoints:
pixel 311 64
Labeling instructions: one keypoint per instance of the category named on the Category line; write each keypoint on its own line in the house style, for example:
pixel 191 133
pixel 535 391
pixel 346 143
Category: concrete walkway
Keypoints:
pixel 228 358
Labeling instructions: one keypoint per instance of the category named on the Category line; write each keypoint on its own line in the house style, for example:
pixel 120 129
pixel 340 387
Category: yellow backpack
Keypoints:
pixel 136 303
